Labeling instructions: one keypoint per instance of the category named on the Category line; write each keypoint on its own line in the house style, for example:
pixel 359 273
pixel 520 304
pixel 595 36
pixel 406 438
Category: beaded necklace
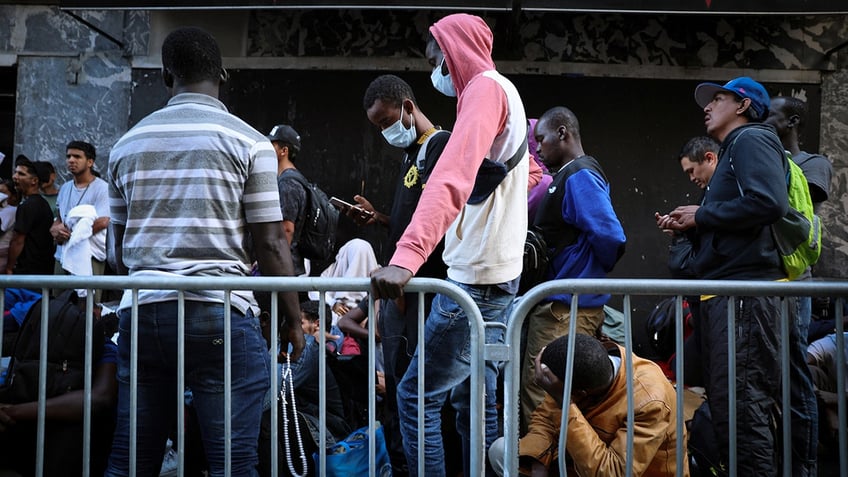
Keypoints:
pixel 289 379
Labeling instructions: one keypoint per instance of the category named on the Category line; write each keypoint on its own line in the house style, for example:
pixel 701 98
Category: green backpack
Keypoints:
pixel 797 235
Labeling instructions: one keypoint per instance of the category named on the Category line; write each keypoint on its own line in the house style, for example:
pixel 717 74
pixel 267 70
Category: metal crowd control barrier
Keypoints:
pixel 678 288
pixel 272 284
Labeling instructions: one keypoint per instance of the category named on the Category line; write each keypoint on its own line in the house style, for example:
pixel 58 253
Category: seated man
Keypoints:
pixel 597 415
pixel 63 445
pixel 310 320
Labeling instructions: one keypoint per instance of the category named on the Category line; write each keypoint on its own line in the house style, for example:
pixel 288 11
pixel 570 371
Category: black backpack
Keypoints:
pixel 316 239
pixel 65 353
pixel 660 326
pixel 549 235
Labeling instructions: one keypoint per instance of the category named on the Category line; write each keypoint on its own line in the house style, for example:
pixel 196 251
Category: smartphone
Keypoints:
pixel 345 206
pixel 340 204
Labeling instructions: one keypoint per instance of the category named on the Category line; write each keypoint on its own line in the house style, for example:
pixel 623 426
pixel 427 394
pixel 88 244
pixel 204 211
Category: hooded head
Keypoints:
pixel 466 42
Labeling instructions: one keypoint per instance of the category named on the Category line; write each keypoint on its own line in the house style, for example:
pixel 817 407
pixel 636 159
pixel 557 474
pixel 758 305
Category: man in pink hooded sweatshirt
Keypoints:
pixel 477 199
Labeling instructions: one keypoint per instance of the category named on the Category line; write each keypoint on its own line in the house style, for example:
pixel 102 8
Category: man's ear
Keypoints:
pixel 408 105
pixel 710 156
pixel 168 78
pixel 562 132
pixel 743 106
pixel 794 120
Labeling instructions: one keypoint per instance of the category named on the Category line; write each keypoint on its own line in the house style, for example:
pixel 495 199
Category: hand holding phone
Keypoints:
pixel 347 207
pixel 340 204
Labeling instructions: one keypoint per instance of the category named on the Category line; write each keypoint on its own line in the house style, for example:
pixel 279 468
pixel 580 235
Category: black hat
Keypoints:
pixel 285 133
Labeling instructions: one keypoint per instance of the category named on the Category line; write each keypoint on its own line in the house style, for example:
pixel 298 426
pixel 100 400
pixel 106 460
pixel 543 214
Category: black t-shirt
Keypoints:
pixel 413 178
pixel 33 219
pixel 293 205
pixel 818 171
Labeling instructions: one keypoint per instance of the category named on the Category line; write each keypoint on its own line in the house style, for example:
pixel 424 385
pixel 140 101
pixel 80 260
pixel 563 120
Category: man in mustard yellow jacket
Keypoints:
pixel 597 416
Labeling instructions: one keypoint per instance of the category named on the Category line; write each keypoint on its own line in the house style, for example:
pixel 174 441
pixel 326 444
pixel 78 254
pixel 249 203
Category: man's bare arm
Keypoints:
pixel 274 258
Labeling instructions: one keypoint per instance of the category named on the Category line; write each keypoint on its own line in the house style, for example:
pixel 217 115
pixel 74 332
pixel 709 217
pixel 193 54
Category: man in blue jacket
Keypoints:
pixel 747 193
pixel 582 232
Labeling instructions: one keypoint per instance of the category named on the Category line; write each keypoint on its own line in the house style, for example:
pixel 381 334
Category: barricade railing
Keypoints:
pixel 269 284
pixel 679 288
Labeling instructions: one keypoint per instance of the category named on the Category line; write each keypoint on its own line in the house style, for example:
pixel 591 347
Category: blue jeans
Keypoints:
pixel 447 372
pixel 803 403
pixel 204 374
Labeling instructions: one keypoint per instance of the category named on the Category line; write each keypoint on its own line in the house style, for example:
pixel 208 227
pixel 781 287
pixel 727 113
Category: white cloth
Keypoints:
pixel 355 259
pixel 76 254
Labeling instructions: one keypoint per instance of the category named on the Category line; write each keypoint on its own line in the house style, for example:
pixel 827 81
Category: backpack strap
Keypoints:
pixel 307 187
pixel 516 158
pixel 730 158
pixel 421 157
pixel 555 231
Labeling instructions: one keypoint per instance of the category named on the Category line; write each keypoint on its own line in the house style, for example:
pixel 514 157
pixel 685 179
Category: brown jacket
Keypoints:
pixel 597 437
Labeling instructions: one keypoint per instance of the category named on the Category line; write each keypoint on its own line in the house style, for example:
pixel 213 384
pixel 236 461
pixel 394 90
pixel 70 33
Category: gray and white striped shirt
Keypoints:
pixel 185 182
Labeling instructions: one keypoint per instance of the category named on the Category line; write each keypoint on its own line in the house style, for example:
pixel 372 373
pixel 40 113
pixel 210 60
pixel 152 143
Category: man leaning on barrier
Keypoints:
pixel 480 207
pixel 189 184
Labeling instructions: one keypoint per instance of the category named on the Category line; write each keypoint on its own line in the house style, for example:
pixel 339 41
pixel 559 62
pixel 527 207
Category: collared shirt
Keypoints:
pixel 185 182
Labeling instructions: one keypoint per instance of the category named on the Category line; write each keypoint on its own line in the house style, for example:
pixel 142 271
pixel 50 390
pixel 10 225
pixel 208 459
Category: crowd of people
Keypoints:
pixel 192 190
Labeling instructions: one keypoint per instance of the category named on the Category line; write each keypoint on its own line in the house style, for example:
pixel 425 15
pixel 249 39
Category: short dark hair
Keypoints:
pixel 10 186
pixel 87 148
pixel 697 148
pixel 592 366
pixel 24 161
pixel 192 55
pixel 751 113
pixel 43 169
pixel 793 106
pixel 389 89
pixel 310 308
pixel 562 116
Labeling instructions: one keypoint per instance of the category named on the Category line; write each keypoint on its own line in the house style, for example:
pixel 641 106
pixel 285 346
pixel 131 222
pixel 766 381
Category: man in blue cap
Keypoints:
pixel 747 193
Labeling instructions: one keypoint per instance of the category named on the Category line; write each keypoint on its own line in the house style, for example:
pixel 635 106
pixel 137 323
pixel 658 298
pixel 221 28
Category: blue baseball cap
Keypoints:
pixel 744 87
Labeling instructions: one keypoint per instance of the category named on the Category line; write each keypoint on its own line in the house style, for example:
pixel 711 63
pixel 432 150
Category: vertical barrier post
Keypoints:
pixel 134 383
pixel 275 384
pixel 840 385
pixel 42 383
pixel 228 385
pixel 181 366
pixel 569 379
pixel 680 380
pixel 731 382
pixel 628 363
pixel 786 408
pixel 87 370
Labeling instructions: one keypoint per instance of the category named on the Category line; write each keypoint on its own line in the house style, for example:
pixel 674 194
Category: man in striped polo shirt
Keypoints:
pixel 189 184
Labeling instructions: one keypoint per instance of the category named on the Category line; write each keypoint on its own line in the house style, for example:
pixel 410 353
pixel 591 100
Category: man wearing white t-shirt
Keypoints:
pixel 82 216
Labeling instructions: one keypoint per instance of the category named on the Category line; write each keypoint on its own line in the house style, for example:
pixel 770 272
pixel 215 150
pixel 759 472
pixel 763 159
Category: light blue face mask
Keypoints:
pixel 442 83
pixel 399 136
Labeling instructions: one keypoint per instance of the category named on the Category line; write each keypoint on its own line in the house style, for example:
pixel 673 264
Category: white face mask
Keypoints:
pixel 3 197
pixel 399 136
pixel 442 83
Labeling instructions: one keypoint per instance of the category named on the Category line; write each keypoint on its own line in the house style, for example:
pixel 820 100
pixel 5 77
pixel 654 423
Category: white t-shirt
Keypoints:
pixel 95 194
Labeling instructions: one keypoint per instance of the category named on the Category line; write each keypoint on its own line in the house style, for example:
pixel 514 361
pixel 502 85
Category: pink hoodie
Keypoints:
pixel 484 127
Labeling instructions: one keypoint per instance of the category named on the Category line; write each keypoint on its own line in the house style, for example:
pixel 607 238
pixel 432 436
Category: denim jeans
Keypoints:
pixel 204 374
pixel 447 373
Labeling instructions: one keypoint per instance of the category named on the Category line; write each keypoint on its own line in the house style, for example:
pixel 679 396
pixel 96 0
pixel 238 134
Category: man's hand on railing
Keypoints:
pixel 388 282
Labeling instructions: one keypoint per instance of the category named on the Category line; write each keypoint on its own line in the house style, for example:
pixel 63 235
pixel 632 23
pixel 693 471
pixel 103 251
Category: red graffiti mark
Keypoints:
pixel 708 2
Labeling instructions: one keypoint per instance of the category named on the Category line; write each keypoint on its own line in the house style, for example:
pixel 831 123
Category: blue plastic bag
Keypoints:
pixel 350 456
